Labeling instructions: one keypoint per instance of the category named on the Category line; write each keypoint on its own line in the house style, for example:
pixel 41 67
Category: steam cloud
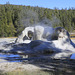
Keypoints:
pixel 31 18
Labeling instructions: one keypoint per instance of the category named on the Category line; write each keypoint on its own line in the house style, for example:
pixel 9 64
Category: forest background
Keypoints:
pixel 14 18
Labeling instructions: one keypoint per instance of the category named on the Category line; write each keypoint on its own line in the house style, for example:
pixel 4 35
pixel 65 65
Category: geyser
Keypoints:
pixel 41 39
pixel 62 47
pixel 36 33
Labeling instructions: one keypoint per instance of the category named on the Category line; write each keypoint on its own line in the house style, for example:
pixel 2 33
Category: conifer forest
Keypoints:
pixel 14 18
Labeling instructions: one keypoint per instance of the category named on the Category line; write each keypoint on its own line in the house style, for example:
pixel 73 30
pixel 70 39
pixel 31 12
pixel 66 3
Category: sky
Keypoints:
pixel 43 3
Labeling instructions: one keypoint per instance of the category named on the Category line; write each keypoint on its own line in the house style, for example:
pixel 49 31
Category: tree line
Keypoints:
pixel 14 18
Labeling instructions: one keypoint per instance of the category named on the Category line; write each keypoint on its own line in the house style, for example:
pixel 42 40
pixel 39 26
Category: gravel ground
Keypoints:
pixel 6 66
pixel 31 66
pixel 12 66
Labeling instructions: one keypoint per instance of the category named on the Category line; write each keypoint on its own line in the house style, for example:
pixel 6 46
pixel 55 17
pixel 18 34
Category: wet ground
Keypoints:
pixel 20 64
pixel 10 57
pixel 38 66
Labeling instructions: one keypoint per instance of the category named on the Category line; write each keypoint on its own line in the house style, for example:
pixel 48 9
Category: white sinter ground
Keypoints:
pixel 63 43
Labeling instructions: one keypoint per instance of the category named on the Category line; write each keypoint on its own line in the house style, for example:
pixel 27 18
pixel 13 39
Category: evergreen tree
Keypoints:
pixel 14 18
